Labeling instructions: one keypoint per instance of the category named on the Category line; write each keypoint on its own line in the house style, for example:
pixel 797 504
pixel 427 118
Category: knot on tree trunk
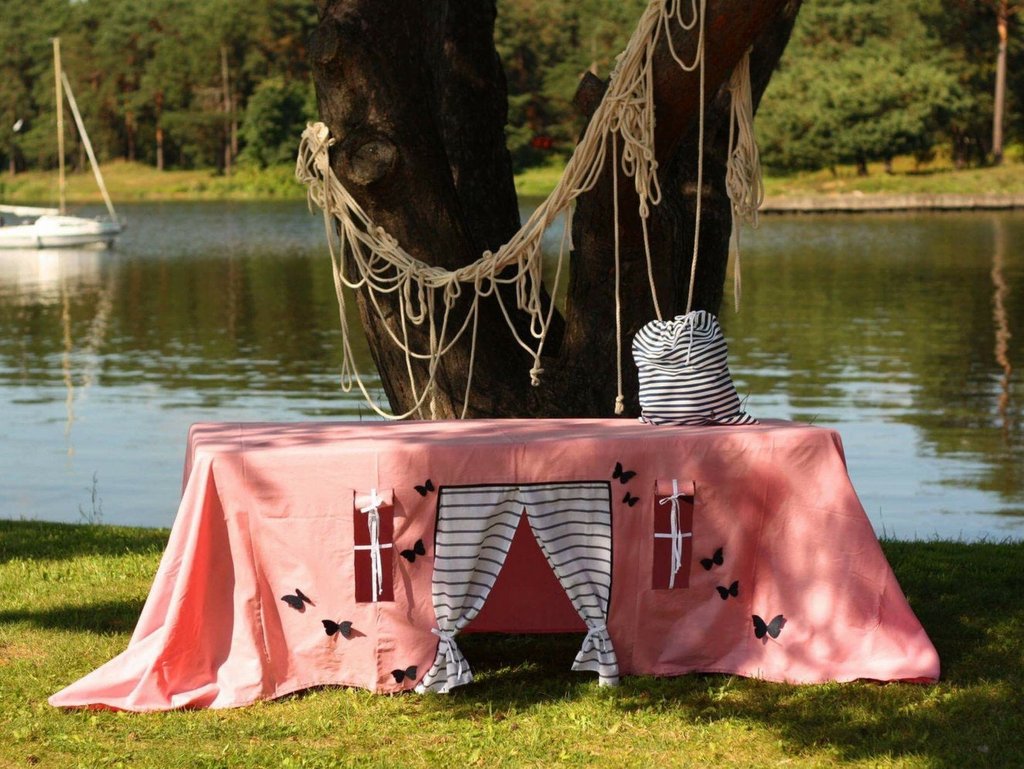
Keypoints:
pixel 370 161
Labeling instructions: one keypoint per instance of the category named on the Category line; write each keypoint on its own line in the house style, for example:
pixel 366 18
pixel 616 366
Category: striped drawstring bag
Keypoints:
pixel 684 373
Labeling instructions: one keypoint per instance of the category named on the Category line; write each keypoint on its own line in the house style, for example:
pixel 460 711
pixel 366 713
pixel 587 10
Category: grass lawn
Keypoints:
pixel 133 182
pixel 70 595
pixel 907 177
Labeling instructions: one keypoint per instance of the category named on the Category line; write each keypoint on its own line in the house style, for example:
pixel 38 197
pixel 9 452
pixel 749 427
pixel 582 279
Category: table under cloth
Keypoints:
pixel 354 553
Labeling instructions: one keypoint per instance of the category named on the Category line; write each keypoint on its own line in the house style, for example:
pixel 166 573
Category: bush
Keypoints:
pixel 274 119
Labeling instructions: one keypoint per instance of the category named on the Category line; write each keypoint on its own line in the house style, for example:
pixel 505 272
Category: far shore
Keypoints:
pixel 907 188
pixel 880 202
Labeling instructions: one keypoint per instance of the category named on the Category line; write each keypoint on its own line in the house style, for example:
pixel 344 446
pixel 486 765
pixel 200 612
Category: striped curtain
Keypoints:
pixel 475 526
pixel 573 526
pixel 684 373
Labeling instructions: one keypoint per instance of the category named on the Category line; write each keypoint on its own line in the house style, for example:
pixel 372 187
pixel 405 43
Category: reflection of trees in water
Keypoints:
pixel 213 327
pixel 88 349
pixel 65 364
pixel 891 317
pixel 1002 322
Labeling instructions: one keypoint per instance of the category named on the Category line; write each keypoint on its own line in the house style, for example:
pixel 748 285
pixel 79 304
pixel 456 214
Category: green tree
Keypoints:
pixel 979 36
pixel 25 63
pixel 546 46
pixel 862 81
pixel 147 74
pixel 276 113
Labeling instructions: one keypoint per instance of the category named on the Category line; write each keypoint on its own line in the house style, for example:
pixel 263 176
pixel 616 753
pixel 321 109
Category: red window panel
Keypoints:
pixel 673 534
pixel 373 528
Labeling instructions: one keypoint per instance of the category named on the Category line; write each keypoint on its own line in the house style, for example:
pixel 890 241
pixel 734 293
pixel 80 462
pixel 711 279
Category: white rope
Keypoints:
pixel 743 178
pixel 700 164
pixel 428 294
pixel 619 397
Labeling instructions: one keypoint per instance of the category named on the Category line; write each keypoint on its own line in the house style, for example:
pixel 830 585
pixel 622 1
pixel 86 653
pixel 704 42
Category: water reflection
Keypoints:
pixel 1002 324
pixel 33 276
pixel 898 330
pixel 106 357
pixel 881 323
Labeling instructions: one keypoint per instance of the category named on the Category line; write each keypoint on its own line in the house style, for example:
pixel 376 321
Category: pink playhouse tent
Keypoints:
pixel 355 554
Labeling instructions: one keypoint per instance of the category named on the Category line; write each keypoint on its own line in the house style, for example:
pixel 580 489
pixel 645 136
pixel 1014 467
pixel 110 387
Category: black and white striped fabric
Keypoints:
pixel 573 526
pixel 684 373
pixel 475 527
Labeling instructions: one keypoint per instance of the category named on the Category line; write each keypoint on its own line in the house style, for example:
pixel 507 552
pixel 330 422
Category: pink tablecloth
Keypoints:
pixel 773 531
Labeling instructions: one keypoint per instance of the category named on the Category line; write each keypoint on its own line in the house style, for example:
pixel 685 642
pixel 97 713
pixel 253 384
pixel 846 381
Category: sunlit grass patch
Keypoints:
pixel 135 182
pixel 70 596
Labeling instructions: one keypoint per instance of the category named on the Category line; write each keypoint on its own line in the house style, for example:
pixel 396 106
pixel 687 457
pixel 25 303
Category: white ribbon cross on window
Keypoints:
pixel 675 534
pixel 372 511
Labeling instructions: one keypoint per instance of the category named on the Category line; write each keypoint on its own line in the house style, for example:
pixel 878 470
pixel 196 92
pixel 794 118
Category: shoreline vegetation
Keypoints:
pixel 908 186
pixel 70 595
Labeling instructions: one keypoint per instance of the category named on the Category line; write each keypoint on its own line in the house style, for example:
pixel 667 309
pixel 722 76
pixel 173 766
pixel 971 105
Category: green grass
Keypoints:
pixel 907 177
pixel 134 182
pixel 537 182
pixel 70 595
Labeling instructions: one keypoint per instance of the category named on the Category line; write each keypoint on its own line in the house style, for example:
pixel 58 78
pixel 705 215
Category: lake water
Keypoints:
pixel 901 331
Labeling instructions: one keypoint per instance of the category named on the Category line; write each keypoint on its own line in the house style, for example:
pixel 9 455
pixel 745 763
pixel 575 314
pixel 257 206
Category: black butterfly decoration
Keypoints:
pixel 401 675
pixel 624 476
pixel 733 590
pixel 716 560
pixel 297 601
pixel 425 488
pixel 630 500
pixel 331 627
pixel 417 549
pixel 773 628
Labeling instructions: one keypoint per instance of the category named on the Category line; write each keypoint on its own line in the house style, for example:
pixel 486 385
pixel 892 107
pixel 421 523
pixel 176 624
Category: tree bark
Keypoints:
pixel 999 106
pixel 226 107
pixel 415 96
pixel 159 103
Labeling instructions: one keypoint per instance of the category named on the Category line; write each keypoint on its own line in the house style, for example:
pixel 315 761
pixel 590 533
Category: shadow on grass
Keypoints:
pixel 970 599
pixel 58 541
pixel 104 617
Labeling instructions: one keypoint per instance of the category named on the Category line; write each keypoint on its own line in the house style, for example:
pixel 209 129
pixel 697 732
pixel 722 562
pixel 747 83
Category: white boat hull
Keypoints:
pixel 60 232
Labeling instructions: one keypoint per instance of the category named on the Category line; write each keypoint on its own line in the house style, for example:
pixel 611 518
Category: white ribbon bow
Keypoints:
pixel 447 641
pixel 597 635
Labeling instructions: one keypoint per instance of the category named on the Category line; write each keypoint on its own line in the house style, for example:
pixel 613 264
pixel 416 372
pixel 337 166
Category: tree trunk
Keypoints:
pixel 226 106
pixel 158 101
pixel 415 97
pixel 999 107
pixel 129 130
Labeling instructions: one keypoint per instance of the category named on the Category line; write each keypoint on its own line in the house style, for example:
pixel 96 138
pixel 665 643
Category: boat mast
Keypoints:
pixel 88 146
pixel 60 122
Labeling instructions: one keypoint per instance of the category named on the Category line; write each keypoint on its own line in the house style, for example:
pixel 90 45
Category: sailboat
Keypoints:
pixel 54 227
